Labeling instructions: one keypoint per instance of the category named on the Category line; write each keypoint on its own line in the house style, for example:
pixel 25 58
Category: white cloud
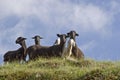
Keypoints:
pixel 60 14
pixel 91 18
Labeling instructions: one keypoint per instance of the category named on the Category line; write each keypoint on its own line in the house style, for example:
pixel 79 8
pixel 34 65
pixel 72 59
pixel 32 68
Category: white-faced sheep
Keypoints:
pixel 72 47
pixel 16 55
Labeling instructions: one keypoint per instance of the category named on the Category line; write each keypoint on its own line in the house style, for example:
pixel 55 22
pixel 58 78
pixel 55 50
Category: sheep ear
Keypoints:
pixel 68 34
pixel 77 34
pixel 58 35
pixel 16 42
pixel 24 38
pixel 33 37
pixel 40 37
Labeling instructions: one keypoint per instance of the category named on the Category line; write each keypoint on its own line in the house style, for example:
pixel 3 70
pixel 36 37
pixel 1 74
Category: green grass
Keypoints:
pixel 60 69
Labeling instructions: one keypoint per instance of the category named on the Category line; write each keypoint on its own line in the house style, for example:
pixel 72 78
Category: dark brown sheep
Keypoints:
pixel 52 51
pixel 72 47
pixel 16 55
pixel 30 50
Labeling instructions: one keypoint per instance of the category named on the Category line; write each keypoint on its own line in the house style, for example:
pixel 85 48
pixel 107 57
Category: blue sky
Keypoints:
pixel 96 21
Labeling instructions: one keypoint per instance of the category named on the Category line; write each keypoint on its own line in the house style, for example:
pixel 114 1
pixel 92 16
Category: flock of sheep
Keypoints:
pixel 37 50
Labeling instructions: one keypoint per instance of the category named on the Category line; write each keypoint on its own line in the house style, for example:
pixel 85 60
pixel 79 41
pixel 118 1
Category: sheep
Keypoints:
pixel 52 51
pixel 30 50
pixel 72 47
pixel 37 39
pixel 16 55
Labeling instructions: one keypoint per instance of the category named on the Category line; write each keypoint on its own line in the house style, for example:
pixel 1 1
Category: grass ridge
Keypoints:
pixel 61 69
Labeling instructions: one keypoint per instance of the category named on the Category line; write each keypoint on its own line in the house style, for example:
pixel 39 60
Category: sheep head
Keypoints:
pixel 62 37
pixel 36 37
pixel 72 34
pixel 19 40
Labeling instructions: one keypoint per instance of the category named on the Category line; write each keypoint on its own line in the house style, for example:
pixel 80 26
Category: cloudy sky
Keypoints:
pixel 96 21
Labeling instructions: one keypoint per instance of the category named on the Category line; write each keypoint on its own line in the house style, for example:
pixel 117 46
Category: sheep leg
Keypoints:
pixel 63 54
pixel 70 51
pixel 22 60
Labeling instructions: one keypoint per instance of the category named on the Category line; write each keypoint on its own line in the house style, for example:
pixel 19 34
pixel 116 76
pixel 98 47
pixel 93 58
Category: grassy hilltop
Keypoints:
pixel 60 69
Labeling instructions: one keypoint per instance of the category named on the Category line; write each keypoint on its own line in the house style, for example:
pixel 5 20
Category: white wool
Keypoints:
pixel 57 42
pixel 71 44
